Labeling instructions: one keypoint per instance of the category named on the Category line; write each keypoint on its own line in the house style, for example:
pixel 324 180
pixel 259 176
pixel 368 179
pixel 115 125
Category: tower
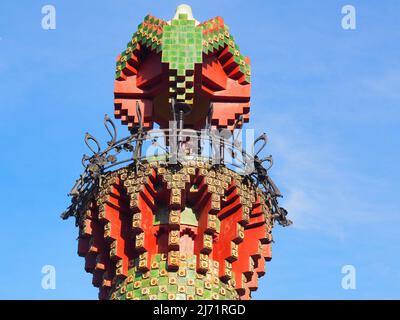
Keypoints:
pixel 181 208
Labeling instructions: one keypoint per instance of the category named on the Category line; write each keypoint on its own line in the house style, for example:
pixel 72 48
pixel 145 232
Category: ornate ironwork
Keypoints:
pixel 189 145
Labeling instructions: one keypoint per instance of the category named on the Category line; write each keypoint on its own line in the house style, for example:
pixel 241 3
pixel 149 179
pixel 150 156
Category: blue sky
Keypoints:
pixel 327 97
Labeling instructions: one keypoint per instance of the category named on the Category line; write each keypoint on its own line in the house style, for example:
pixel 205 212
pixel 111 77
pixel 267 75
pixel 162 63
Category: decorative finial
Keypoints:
pixel 183 9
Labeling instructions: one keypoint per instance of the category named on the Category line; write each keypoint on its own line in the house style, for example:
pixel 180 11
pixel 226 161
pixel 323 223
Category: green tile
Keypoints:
pixel 172 288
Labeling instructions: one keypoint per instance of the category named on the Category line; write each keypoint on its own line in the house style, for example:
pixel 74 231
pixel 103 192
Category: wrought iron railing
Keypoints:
pixel 173 147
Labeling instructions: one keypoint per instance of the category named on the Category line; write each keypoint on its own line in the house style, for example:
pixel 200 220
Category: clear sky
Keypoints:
pixel 327 97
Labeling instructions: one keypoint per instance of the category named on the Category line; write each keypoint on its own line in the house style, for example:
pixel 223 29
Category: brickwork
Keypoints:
pixel 225 235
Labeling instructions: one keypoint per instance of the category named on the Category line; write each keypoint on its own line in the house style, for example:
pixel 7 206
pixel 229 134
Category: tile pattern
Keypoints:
pixel 228 236
pixel 181 50
pixel 147 37
pixel 216 37
pixel 190 54
pixel 183 43
pixel 184 284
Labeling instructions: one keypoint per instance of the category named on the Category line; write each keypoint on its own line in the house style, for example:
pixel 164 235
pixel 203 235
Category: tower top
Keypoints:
pixel 198 64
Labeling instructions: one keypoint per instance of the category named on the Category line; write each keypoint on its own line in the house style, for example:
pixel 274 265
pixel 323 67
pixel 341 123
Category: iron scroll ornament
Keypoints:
pixel 130 148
